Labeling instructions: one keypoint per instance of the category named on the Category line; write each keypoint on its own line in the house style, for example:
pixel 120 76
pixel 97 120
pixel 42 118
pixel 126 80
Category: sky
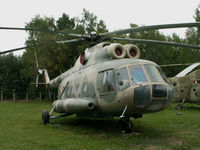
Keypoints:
pixel 117 14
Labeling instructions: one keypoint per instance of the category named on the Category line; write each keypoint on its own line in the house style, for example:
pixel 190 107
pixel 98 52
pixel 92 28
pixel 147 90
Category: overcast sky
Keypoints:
pixel 117 14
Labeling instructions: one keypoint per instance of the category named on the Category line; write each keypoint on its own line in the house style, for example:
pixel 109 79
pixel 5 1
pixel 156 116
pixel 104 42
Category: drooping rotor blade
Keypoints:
pixel 157 42
pixel 152 27
pixel 44 43
pixel 17 49
pixel 25 47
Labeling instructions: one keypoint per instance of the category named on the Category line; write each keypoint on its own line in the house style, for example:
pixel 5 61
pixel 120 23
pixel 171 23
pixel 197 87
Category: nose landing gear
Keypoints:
pixel 125 125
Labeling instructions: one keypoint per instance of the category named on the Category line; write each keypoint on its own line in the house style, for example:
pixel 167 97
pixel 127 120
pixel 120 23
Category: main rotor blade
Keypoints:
pixel 44 43
pixel 26 29
pixel 157 42
pixel 20 48
pixel 70 41
pixel 152 27
pixel 42 30
pixel 173 65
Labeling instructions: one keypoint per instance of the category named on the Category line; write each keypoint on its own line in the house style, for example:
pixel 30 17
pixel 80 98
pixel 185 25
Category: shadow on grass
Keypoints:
pixel 189 105
pixel 109 127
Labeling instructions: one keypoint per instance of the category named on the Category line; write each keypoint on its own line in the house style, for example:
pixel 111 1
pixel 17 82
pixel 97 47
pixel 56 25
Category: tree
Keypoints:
pixel 193 34
pixel 56 58
pixel 89 23
pixel 10 77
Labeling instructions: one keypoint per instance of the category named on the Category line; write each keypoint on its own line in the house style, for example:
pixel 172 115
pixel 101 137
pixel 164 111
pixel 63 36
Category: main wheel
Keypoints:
pixel 179 106
pixel 45 117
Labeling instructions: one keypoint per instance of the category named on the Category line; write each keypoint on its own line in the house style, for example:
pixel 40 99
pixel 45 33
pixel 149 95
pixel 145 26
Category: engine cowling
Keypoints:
pixel 132 51
pixel 116 50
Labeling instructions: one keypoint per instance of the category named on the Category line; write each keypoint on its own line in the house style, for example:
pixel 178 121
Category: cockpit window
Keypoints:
pixel 137 74
pixel 152 73
pixel 122 79
pixel 108 81
pixel 163 75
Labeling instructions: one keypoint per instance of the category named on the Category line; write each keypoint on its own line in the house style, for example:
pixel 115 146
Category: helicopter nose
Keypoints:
pixel 142 96
pixel 153 97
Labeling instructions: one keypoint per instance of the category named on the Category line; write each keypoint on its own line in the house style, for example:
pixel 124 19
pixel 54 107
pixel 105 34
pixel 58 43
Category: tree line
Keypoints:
pixel 19 72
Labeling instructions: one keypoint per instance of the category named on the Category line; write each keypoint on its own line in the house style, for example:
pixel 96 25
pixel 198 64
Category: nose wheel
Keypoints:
pixel 125 125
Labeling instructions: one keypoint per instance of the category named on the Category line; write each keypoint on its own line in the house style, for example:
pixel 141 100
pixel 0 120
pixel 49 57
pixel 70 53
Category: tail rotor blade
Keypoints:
pixel 37 77
pixel 36 62
pixel 37 68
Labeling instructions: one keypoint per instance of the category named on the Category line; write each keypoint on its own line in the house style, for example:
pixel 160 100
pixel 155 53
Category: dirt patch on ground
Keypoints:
pixel 174 141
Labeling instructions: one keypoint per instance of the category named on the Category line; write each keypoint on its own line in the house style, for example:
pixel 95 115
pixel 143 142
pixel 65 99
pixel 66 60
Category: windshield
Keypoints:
pixel 163 75
pixel 152 73
pixel 137 74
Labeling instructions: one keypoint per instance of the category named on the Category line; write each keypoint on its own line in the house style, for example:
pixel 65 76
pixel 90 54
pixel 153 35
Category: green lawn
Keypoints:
pixel 20 128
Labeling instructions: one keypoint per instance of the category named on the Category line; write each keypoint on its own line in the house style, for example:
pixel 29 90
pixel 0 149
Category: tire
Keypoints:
pixel 125 126
pixel 129 127
pixel 45 117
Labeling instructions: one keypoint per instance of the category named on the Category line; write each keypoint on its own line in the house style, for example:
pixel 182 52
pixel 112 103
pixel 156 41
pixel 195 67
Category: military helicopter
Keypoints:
pixel 109 79
pixel 186 85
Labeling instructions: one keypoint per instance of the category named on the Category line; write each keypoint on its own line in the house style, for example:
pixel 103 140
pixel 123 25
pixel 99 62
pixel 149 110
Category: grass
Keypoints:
pixel 20 129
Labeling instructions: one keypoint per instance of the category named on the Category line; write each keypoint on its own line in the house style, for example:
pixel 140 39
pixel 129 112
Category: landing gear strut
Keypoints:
pixel 125 125
pixel 46 116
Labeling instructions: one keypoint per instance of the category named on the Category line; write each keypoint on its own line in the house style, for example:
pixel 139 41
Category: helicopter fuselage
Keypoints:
pixel 106 87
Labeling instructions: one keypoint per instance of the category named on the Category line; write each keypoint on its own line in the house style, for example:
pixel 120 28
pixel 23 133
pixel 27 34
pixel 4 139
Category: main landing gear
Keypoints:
pixel 179 107
pixel 45 117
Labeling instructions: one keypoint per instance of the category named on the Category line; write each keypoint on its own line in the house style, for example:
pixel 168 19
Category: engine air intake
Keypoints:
pixel 116 50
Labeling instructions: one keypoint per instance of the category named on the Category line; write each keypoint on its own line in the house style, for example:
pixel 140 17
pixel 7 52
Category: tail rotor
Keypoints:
pixel 37 68
pixel 41 72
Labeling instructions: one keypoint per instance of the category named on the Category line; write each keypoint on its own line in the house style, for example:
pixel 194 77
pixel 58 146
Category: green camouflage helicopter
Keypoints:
pixel 186 85
pixel 109 79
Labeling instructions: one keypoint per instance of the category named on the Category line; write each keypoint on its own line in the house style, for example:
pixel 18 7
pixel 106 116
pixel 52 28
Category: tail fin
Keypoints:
pixel 41 72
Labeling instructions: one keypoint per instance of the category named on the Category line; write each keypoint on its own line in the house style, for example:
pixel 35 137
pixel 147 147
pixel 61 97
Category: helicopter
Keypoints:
pixel 186 85
pixel 110 79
